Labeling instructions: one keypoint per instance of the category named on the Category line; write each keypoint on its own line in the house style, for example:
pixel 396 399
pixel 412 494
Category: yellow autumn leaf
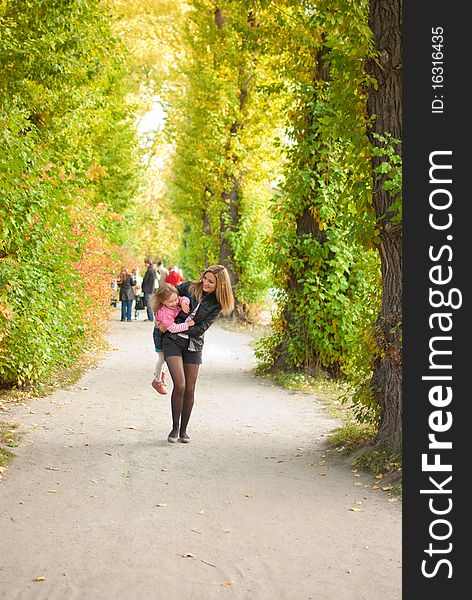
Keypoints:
pixel 228 583
pixel 379 476
pixel 355 509
pixel 387 487
pixel 41 578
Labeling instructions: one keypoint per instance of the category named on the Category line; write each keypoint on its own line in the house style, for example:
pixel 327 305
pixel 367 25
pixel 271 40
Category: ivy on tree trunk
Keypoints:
pixel 385 102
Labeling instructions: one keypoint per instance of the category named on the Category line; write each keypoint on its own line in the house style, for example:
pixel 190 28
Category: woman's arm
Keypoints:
pixel 203 325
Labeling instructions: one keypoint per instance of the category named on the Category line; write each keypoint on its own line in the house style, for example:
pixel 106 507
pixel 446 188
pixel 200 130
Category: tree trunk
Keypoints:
pixel 386 103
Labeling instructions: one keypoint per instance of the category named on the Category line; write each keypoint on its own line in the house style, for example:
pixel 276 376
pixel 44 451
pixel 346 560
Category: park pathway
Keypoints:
pixel 99 506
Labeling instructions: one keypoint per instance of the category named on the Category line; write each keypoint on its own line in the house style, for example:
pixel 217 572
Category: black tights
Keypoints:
pixel 184 377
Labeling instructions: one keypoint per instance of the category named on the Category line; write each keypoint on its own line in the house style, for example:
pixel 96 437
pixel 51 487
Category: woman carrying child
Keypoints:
pixel 209 296
pixel 166 305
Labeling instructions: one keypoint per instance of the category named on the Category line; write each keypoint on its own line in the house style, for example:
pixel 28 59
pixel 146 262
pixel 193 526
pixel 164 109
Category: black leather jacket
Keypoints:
pixel 207 312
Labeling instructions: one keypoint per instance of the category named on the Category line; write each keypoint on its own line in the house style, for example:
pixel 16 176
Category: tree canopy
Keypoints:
pixel 276 153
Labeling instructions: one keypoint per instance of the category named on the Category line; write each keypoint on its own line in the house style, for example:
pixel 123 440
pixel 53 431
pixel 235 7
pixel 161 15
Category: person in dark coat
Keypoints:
pixel 209 296
pixel 148 286
pixel 126 283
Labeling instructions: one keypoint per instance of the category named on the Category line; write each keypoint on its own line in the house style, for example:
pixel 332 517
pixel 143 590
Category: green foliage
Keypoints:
pixel 68 166
pixel 389 172
pixel 224 159
pixel 322 220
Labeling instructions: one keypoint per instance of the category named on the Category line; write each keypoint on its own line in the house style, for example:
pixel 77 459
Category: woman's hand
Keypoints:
pixel 160 325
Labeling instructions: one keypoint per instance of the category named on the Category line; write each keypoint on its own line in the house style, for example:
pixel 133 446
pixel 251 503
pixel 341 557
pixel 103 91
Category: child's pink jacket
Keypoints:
pixel 167 316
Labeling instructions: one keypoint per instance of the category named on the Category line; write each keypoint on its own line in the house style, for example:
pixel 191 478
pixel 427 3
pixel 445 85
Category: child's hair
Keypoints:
pixel 161 295
pixel 223 292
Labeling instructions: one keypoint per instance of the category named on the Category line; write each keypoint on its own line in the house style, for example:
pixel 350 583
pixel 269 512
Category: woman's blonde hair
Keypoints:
pixel 223 292
pixel 161 295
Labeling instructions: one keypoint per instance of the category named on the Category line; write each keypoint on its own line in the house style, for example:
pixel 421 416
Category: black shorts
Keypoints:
pixel 178 346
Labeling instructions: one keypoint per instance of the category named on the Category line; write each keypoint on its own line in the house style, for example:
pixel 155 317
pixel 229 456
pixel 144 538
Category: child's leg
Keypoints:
pixel 159 366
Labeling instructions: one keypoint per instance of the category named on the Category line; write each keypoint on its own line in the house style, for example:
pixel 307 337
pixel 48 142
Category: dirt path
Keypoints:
pixel 103 507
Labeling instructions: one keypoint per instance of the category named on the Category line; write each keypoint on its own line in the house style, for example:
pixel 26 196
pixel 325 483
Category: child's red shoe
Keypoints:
pixel 159 386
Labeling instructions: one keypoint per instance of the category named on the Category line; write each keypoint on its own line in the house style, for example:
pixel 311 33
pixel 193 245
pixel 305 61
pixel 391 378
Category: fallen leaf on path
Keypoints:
pixel 322 474
pixel 311 465
pixel 94 481
pixel 131 427
pixel 353 470
pixel 379 476
pixel 196 531
pixel 53 491
pixel 201 512
pixel 358 501
pixel 357 484
pixel 40 578
pixel 249 495
pixel 355 509
pixel 387 487
pixel 322 463
pixel 375 487
pixel 188 555
pixel 52 468
pixel 392 500
pixel 300 448
pixel 356 474
pixel 207 563
pixel 165 469
pixel 228 583
pixel 162 504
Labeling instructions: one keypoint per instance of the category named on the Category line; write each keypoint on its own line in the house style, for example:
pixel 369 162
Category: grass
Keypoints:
pixel 9 438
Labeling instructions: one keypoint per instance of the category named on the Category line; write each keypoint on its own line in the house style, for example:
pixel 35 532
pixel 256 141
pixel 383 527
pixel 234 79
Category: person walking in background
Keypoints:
pixel 137 289
pixel 174 277
pixel 126 283
pixel 148 286
pixel 166 304
pixel 209 296
pixel 163 272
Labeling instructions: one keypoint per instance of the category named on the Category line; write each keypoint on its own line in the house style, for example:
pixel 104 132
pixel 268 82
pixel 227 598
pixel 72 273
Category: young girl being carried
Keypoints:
pixel 166 305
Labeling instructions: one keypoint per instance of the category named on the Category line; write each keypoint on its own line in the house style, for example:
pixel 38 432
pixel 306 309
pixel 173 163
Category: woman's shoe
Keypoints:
pixel 172 437
pixel 159 386
pixel 184 439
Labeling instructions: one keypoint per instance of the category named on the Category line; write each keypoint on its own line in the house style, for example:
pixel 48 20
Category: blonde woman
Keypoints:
pixel 209 296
